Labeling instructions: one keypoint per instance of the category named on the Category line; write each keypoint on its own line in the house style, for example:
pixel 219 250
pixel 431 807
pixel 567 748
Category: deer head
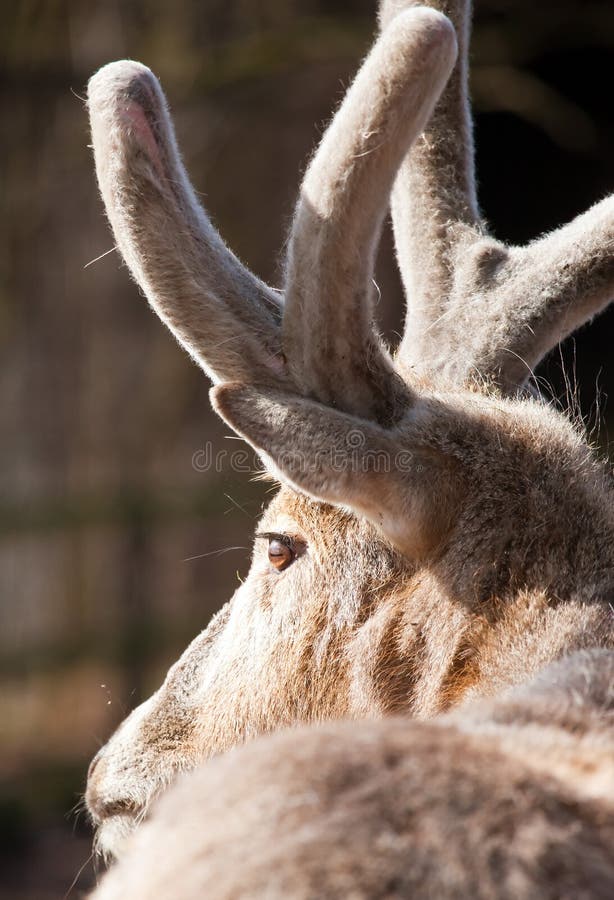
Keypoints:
pixel 437 535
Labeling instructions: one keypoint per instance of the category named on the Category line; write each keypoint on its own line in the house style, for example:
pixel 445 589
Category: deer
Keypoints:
pixel 433 580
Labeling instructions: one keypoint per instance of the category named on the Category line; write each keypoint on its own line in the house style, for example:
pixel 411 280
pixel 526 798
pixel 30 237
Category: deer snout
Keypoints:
pixel 100 798
pixel 114 809
pixel 125 776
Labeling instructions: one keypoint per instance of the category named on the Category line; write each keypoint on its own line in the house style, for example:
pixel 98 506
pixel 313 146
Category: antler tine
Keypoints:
pixel 545 292
pixel 226 318
pixel 434 204
pixel 328 334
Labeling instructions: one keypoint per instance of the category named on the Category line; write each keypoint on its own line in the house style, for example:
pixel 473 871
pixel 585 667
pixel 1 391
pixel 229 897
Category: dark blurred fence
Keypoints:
pixel 109 534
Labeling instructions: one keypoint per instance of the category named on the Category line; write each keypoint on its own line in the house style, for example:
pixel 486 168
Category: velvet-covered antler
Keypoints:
pixel 226 317
pixel 328 326
pixel 475 306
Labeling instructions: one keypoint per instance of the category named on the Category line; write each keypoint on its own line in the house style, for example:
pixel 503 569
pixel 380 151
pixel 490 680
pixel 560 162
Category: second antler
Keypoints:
pixel 476 308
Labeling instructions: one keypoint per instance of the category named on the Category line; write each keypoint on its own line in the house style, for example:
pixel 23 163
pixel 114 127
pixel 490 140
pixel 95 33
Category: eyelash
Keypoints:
pixel 274 536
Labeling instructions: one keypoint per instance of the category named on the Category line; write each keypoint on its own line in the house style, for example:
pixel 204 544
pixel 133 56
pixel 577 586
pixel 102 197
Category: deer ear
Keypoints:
pixel 338 458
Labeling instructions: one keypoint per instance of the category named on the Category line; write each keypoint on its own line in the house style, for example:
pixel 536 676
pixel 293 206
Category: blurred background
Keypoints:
pixel 116 541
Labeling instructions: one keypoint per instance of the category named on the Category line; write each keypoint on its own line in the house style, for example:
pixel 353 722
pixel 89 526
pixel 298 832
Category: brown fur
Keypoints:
pixel 472 805
pixel 454 537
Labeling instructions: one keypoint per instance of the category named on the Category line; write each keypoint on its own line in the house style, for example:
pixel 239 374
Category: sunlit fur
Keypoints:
pixel 354 629
pixel 502 799
pixel 423 588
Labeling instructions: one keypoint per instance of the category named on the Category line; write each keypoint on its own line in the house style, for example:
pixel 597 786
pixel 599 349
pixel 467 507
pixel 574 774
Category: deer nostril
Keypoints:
pixel 102 808
pixel 110 808
pixel 96 795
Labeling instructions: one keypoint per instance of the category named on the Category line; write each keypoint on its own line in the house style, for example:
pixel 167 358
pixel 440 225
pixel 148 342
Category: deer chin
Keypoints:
pixel 116 820
pixel 113 834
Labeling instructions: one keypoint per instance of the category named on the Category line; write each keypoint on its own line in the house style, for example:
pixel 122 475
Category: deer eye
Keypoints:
pixel 282 550
pixel 281 553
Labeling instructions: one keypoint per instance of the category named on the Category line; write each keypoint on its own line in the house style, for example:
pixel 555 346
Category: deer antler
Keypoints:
pixel 474 305
pixel 434 204
pixel 328 330
pixel 226 317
